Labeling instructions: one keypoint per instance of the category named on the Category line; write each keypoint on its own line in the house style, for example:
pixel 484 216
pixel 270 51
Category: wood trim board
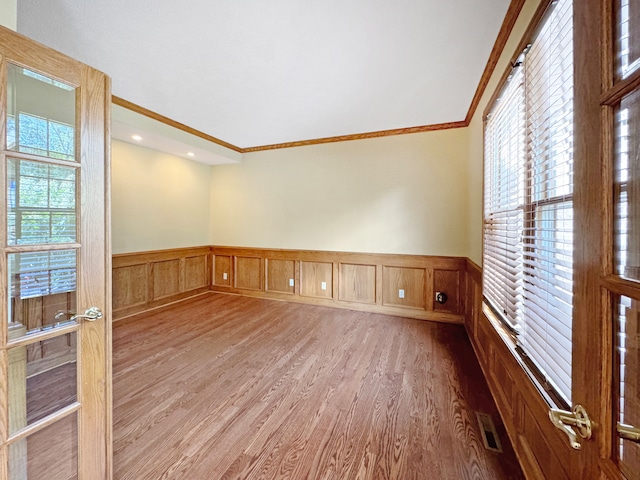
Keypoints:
pixel 360 136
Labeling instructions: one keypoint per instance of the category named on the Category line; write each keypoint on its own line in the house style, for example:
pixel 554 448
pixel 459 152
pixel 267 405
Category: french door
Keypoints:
pixel 55 391
pixel 620 134
pixel 606 326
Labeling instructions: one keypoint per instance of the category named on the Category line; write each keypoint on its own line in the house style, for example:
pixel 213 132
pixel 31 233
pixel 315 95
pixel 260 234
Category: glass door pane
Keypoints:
pixel 42 380
pixel 627 37
pixel 627 188
pixel 627 321
pixel 41 203
pixel 41 114
pixel 42 290
pixel 50 453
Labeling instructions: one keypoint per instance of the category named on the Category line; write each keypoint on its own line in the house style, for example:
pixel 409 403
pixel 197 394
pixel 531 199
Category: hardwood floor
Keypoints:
pixel 230 387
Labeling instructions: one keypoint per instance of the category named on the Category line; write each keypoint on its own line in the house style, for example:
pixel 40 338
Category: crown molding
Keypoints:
pixel 172 123
pixel 359 136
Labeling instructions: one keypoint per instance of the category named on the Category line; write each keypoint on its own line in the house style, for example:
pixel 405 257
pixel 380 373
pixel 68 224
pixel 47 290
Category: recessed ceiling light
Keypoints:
pixel 137 138
pixel 191 154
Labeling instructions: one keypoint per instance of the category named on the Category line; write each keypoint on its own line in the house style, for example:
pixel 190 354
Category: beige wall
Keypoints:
pixel 9 13
pixel 158 201
pixel 402 194
pixel 474 166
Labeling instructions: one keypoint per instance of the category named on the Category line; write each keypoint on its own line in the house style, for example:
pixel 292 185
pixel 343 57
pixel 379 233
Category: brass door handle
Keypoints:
pixel 573 424
pixel 628 432
pixel 91 314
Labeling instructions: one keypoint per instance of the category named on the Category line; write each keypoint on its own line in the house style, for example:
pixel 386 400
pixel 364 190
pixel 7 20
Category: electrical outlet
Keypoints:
pixel 323 285
pixel 401 293
pixel 291 282
pixel 224 276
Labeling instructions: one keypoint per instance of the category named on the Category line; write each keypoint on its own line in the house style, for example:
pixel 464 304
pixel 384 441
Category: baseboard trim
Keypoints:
pixel 382 310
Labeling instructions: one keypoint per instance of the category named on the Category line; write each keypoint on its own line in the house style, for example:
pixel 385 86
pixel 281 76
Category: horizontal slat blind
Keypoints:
pixel 41 203
pixel 628 37
pixel 528 211
pixel 627 174
pixel 37 274
pixel 548 238
pixel 503 200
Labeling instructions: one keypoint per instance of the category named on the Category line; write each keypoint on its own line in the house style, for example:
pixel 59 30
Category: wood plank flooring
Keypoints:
pixel 229 387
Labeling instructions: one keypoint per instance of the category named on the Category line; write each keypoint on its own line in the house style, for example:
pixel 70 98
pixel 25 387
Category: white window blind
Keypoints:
pixel 528 218
pixel 504 199
pixel 41 203
pixel 38 274
pixel 628 38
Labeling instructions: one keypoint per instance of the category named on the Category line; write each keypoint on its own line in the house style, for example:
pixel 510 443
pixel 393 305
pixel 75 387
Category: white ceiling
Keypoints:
pixel 255 72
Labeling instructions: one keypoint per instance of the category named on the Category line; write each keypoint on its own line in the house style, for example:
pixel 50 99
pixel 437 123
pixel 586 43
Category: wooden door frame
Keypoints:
pixel 97 367
pixel 592 335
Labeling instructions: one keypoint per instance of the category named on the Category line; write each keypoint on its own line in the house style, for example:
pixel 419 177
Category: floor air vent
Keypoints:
pixel 489 435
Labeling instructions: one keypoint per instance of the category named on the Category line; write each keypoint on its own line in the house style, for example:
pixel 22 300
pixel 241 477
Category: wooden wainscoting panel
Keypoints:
pixel 357 283
pixel 476 309
pixel 353 280
pixel 503 382
pixel 313 277
pixel 473 300
pixel 166 278
pixel 222 269
pixel 448 282
pixel 411 280
pixel 280 275
pixel 469 304
pixel 148 280
pixel 248 273
pixel 130 286
pixel 196 272
pixel 483 339
pixel 546 459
